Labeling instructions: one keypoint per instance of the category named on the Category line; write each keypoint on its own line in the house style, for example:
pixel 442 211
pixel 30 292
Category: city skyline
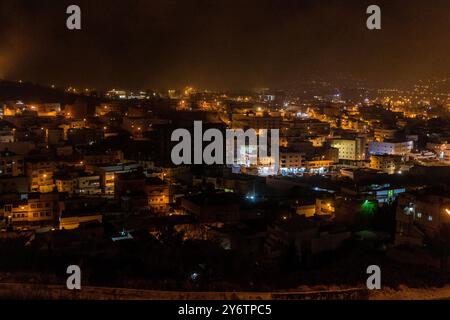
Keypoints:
pixel 216 149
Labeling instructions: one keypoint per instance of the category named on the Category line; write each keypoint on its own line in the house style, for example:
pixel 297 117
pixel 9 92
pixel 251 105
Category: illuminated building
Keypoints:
pixel 46 109
pixel 82 210
pixel 41 174
pixel 350 149
pixel 88 185
pixel 99 156
pixel 65 185
pixel 114 94
pixel 442 150
pixel 379 193
pixel 31 211
pixel 391 147
pixel 389 164
pixel 306 209
pixel 290 160
pixel 105 108
pixel 80 185
pixel 108 175
pixel 70 220
pixel 317 165
pixel 420 216
pixel 325 206
pixel 382 134
pixel 158 194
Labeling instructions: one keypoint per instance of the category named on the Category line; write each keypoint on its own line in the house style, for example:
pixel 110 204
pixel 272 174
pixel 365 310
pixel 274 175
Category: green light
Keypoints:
pixel 368 207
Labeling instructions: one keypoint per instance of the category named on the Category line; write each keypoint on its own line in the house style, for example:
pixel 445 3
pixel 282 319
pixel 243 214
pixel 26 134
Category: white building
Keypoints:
pixel 350 149
pixel 392 148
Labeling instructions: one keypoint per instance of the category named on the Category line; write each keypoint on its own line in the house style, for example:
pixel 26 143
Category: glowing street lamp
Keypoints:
pixel 447 211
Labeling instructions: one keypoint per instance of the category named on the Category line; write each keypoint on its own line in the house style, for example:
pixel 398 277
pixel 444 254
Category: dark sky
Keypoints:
pixel 222 43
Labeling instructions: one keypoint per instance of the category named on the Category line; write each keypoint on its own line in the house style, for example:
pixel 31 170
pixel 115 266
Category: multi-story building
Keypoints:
pixel 290 160
pixel 391 147
pixel 88 185
pixel 350 149
pixel 83 184
pixel 30 211
pixel 317 165
pixel 107 175
pixel 65 184
pixel 382 134
pixel 158 194
pixel 127 183
pixel 41 175
pixel 46 109
pixel 54 136
pixel 11 164
pixel 389 164
pixel 76 211
pixel 96 157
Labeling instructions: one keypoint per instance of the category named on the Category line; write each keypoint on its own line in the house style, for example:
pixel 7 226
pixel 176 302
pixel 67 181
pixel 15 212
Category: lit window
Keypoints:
pixel 430 218
pixel 419 215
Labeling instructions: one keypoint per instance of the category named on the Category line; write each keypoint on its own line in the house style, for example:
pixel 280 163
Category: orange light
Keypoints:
pixel 448 211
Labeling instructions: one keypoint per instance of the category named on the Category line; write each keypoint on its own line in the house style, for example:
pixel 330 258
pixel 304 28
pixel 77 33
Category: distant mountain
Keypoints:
pixel 34 93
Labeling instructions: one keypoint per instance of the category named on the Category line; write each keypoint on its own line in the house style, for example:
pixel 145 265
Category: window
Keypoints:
pixel 419 215
pixel 430 218
pixel 409 210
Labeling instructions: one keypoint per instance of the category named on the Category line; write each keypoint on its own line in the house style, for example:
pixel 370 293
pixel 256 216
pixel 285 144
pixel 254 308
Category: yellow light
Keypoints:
pixel 448 211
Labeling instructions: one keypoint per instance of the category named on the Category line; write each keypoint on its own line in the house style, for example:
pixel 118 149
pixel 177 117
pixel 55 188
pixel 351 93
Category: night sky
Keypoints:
pixel 225 44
